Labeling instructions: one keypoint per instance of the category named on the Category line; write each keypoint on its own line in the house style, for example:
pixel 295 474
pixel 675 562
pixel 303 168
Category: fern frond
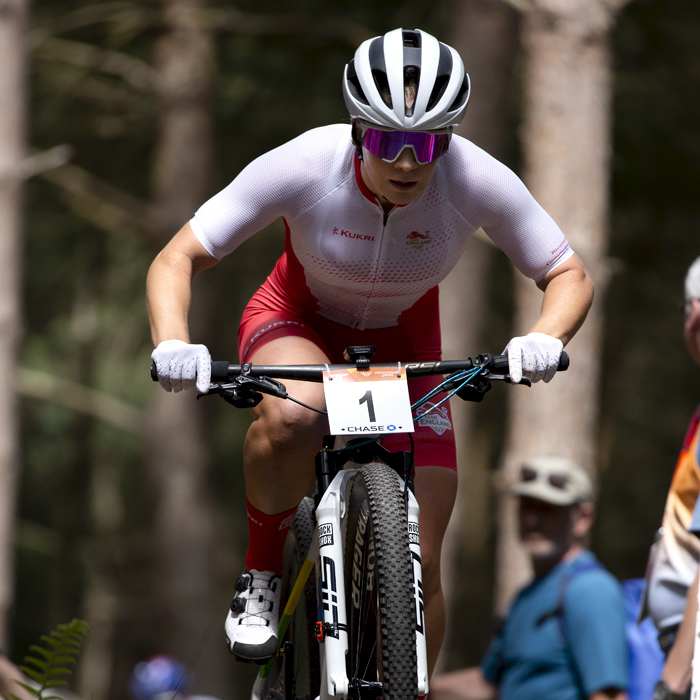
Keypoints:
pixel 30 689
pixel 40 650
pixel 33 674
pixel 63 646
pixel 65 660
pixel 41 665
pixel 48 640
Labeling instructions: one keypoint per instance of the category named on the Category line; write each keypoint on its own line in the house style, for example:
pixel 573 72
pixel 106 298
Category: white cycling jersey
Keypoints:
pixel 356 264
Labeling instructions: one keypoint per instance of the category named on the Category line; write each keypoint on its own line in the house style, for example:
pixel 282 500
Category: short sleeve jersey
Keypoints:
pixel 675 561
pixel 540 654
pixel 349 260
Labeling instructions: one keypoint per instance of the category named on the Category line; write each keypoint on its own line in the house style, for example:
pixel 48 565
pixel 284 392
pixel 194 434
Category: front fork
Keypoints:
pixel 414 544
pixel 329 514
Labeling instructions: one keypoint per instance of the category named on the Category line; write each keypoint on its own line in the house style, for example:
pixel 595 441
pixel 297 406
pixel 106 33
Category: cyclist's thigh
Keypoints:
pixel 434 438
pixel 436 490
pixel 292 350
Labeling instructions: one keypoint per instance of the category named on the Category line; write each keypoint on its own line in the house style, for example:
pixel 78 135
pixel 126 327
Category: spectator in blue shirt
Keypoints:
pixel 564 635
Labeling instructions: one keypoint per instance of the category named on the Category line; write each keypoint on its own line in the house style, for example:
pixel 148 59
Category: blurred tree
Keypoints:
pixel 484 32
pixel 13 24
pixel 567 148
pixel 184 535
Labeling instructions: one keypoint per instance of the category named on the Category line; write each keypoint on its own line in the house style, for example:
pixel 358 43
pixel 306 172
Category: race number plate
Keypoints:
pixel 367 402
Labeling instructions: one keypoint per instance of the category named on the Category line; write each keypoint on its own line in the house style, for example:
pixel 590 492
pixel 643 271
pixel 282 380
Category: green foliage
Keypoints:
pixel 62 648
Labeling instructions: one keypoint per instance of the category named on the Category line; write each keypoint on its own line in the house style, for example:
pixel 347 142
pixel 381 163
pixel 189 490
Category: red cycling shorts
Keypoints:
pixel 416 339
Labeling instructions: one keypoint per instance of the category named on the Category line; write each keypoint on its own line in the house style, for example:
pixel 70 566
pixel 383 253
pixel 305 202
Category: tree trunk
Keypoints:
pixel 566 147
pixel 13 19
pixel 178 461
pixel 484 32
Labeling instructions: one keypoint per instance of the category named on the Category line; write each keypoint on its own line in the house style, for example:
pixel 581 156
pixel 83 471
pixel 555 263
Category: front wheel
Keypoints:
pixel 381 610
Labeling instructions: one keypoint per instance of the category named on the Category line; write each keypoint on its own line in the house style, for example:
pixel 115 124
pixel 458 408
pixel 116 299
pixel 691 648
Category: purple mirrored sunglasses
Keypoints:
pixel 388 145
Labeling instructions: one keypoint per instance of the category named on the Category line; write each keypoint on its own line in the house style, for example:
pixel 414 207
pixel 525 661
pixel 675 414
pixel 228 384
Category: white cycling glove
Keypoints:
pixel 181 366
pixel 535 356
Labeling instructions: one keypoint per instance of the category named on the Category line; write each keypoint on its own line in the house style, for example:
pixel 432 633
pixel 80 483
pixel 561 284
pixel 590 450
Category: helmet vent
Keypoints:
pixel 411 39
pixel 411 79
pixel 462 95
pixel 444 71
pixel 377 65
pixel 382 83
pixel 376 55
pixel 354 84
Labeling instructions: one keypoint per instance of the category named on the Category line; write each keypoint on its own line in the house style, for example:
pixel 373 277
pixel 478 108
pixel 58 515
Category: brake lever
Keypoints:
pixel 214 389
pixel 506 377
pixel 247 391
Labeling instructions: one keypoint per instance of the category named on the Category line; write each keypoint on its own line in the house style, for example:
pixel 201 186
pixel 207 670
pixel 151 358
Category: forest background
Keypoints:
pixel 142 534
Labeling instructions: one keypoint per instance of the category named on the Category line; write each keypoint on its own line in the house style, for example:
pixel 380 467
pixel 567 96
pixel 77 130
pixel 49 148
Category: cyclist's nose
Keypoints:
pixel 406 160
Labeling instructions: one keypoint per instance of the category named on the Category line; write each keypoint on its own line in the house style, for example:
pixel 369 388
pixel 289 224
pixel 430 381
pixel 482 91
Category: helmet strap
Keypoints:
pixel 356 141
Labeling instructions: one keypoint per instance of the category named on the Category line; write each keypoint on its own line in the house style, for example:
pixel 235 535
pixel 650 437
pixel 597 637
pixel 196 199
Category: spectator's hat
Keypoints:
pixel 692 281
pixel 554 480
pixel 158 678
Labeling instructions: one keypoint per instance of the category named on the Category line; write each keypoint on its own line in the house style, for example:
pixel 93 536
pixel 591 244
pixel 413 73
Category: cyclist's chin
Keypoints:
pixel 402 195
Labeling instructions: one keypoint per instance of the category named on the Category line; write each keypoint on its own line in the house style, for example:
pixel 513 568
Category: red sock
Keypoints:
pixel 267 536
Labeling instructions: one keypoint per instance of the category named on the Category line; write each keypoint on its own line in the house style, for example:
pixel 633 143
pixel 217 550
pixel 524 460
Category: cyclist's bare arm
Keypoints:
pixel 169 285
pixel 678 668
pixel 467 684
pixel 568 294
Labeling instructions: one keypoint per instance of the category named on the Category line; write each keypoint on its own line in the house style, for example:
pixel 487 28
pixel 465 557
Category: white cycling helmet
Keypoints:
pixel 374 82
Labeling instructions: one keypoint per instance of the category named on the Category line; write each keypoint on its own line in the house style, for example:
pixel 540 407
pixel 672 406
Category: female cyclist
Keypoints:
pixel 376 214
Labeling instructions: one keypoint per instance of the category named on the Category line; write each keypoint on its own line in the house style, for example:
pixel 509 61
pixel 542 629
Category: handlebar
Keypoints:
pixel 222 372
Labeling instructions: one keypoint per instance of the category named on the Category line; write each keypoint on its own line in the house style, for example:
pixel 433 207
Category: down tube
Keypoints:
pixel 333 588
pixel 414 543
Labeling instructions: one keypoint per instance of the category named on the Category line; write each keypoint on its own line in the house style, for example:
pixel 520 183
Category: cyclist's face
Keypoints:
pixel 399 182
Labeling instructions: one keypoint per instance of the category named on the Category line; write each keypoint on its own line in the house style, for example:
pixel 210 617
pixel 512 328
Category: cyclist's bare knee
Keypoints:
pixel 283 424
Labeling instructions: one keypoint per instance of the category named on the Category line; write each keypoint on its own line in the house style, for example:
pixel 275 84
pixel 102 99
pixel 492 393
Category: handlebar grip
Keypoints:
pixel 219 372
pixel 563 361
pixel 500 362
pixel 154 372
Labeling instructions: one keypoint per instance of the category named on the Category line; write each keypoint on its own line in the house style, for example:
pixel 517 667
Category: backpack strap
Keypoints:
pixel 558 612
pixel 564 582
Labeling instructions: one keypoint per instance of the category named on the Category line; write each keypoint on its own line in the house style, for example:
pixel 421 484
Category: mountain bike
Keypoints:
pixel 356 629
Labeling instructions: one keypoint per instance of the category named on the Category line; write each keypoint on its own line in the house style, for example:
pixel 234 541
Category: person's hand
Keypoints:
pixel 181 365
pixel 535 356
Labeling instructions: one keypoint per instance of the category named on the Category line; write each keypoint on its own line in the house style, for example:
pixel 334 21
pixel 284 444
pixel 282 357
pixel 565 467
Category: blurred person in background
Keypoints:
pixel 162 678
pixel 563 637
pixel 672 576
pixel 10 677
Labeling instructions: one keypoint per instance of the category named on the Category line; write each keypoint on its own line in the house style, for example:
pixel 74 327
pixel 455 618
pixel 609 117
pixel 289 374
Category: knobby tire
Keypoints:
pixel 379 586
